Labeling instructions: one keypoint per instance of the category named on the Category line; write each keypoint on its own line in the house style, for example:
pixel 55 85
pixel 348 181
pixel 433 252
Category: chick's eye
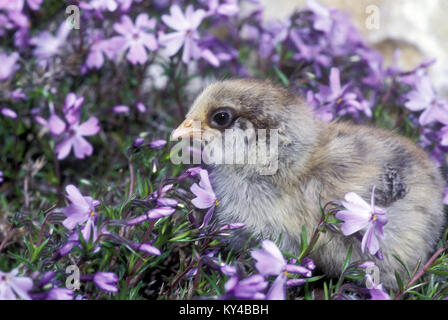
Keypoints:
pixel 222 118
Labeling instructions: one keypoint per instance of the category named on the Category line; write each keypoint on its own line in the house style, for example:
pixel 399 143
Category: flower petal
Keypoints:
pixel 82 147
pixel 277 290
pixel 370 241
pixel 64 147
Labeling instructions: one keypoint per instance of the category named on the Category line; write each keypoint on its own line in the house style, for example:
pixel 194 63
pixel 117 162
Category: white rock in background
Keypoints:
pixel 418 28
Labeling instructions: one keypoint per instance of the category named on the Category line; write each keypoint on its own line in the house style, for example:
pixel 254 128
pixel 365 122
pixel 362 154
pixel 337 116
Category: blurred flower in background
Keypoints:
pixel 134 67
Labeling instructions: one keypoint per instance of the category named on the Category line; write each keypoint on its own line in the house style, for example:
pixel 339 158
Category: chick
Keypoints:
pixel 317 163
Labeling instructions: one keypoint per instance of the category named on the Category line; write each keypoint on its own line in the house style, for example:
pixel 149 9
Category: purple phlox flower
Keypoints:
pixel 270 261
pixel 344 37
pixel 309 264
pixel 157 144
pixel 322 112
pixel 8 66
pixel 163 192
pixel 191 273
pixel 125 5
pixel 360 105
pixel 48 281
pixel 106 281
pixel 166 202
pixel 89 233
pixel 99 5
pixel 1 177
pixel 335 93
pixel 9 113
pixel 54 124
pixel 424 97
pixel 21 38
pixel 34 4
pixel 46 278
pixel 338 97
pixel 376 291
pixel 13 18
pixel 186 33
pixel 59 294
pixel 205 196
pixel 152 214
pixel 228 270
pixel 374 62
pixel 136 37
pixel 359 215
pixel 65 249
pixel 74 137
pixel 309 53
pixel 322 20
pixel 232 226
pixel 138 142
pixel 8 5
pixel 445 196
pixel 249 288
pixel 367 264
pixel 100 47
pixel 279 267
pixel 72 108
pixel 442 134
pixel 17 5
pixel 194 172
pixel 274 32
pixel 13 286
pixel 146 247
pixel 277 290
pixel 18 94
pixel 47 45
pixel 140 107
pixel 215 263
pixel 80 210
pixel 438 155
pixel 120 109
pixel 249 33
pixel 221 51
pixel 191 172
pixel 365 106
pixel 4 24
pixel 19 19
pixel 224 8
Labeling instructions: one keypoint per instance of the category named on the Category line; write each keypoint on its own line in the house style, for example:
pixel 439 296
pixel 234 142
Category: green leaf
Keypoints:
pixel 213 284
pixel 399 281
pixel 326 295
pixel 183 236
pixel 403 264
pixel 303 240
pixel 314 279
pixel 283 78
pixel 347 259
pixel 344 267
pixel 37 250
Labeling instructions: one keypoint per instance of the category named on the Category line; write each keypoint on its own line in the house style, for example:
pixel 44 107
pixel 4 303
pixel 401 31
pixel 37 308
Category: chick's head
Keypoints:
pixel 231 117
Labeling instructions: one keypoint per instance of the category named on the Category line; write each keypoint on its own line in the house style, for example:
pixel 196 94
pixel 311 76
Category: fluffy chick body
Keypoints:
pixel 318 163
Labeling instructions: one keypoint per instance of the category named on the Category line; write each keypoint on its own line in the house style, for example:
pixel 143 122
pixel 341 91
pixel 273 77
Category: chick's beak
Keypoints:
pixel 186 129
